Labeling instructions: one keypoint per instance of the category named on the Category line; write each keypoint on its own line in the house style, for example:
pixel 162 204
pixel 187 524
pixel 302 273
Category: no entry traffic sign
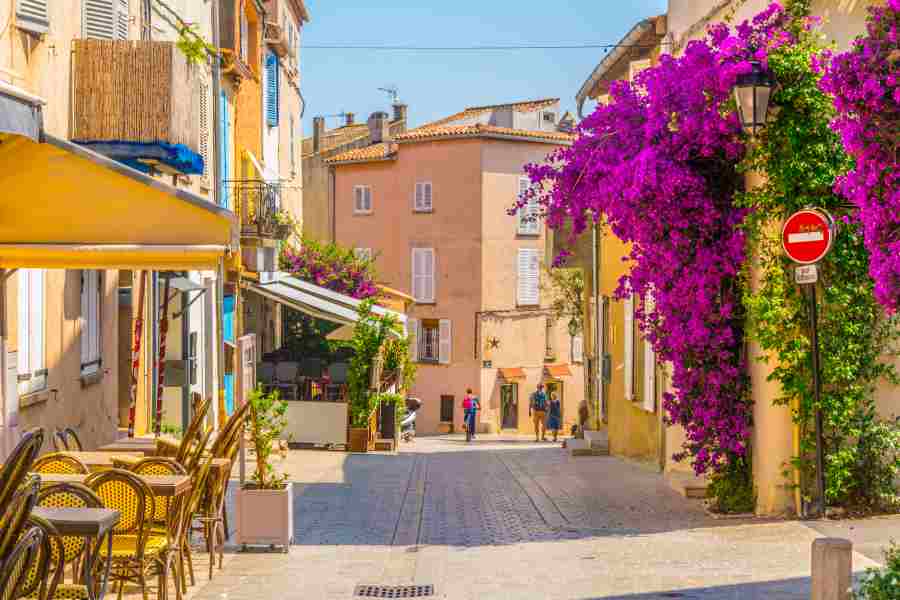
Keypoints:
pixel 807 235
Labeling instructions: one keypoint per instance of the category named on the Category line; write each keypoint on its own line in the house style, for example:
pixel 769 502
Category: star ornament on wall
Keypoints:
pixel 493 343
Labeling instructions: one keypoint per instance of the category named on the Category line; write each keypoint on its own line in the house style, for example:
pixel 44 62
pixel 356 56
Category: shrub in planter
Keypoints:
pixel 882 584
pixel 264 505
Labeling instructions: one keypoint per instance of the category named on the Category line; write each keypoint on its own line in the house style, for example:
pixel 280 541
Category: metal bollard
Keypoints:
pixel 832 566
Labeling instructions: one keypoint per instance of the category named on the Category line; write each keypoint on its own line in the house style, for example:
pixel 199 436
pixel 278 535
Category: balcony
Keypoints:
pixel 259 204
pixel 277 40
pixel 137 102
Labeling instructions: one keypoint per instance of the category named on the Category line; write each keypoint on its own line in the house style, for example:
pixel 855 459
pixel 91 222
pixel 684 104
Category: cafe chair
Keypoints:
pixel 19 463
pixel 23 556
pixel 15 513
pixel 199 482
pixel 72 441
pixel 59 463
pixel 42 579
pixel 200 451
pixel 192 433
pixel 60 443
pixel 158 466
pixel 135 551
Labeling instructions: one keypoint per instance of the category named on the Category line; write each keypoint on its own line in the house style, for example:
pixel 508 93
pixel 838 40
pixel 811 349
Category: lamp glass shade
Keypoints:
pixel 752 93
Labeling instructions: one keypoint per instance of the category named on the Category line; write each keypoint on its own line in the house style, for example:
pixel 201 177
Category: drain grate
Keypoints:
pixel 394 591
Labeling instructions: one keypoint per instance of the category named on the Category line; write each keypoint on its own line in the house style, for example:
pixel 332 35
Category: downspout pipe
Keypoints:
pixel 598 310
pixel 217 109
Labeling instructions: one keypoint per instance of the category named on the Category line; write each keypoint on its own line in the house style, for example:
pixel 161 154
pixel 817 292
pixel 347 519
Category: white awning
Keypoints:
pixel 314 300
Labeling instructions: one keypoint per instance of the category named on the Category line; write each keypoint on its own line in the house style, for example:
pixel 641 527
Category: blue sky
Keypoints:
pixel 436 84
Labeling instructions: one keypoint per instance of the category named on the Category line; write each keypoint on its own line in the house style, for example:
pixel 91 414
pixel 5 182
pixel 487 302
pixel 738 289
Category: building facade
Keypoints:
pixel 431 205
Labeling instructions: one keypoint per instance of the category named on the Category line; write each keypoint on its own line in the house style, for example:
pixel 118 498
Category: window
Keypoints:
pixel 628 340
pixel 105 19
pixel 90 322
pixel 293 141
pixel 423 197
pixel 32 15
pixel 362 199
pixel 529 214
pixel 549 117
pixel 225 154
pixel 649 379
pixel 423 274
pixel 31 335
pixel 429 340
pixel 529 277
pixel 578 349
pixel 447 404
pixel 245 37
pixel 549 349
pixel 271 89
pixel 362 253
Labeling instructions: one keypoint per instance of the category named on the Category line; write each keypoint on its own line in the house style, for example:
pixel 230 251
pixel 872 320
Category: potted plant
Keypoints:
pixel 284 224
pixel 265 503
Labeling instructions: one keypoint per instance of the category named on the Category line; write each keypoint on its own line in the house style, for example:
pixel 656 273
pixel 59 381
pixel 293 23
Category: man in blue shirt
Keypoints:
pixel 537 410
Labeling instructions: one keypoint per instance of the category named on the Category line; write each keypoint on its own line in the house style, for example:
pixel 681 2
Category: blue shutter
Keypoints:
pixel 224 150
pixel 272 89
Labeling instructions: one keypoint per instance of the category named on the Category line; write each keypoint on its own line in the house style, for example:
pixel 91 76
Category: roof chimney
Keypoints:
pixel 318 132
pixel 349 118
pixel 379 127
pixel 400 112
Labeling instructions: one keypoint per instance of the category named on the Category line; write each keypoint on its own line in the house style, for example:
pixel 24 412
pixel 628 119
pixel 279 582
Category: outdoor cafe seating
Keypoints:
pixel 74 523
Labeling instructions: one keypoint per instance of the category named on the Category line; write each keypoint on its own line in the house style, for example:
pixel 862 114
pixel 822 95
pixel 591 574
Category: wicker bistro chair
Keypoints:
pixel 193 433
pixel 135 551
pixel 193 461
pixel 199 481
pixel 158 466
pixel 22 558
pixel 60 443
pixel 57 462
pixel 42 578
pixel 16 467
pixel 72 441
pixel 72 495
pixel 15 514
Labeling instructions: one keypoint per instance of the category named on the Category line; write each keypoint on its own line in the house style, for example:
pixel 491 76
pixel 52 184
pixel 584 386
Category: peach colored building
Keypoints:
pixel 431 205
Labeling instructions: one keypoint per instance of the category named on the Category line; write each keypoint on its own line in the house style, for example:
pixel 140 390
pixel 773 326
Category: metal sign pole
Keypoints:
pixel 817 386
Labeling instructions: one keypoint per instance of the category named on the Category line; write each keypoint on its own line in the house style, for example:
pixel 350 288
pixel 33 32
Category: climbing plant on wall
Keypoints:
pixel 801 157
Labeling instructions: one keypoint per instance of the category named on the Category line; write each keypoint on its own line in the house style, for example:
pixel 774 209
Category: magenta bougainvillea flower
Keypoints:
pixel 658 165
pixel 864 84
pixel 331 267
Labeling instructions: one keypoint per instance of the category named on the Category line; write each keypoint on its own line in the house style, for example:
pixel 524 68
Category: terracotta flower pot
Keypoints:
pixel 359 439
pixel 265 517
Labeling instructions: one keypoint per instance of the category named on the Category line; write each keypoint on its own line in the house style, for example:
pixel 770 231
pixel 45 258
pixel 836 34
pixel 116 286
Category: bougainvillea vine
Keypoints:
pixel 332 267
pixel 865 84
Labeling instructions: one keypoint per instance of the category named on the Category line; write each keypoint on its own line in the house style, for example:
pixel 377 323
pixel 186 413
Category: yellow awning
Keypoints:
pixel 64 206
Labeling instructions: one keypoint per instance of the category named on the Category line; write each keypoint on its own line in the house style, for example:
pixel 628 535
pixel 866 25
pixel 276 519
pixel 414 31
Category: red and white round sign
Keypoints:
pixel 807 235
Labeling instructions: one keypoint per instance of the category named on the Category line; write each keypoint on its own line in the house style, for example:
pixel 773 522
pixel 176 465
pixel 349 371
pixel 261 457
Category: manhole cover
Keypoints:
pixel 394 591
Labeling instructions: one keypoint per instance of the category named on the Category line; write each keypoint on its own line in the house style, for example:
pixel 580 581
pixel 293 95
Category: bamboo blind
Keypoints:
pixel 135 91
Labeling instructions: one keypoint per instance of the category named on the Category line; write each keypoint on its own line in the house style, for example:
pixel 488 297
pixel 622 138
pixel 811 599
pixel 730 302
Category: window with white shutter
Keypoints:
pixel 423 197
pixel 423 274
pixel 204 129
pixel 105 19
pixel 31 331
pixel 90 322
pixel 446 342
pixel 32 15
pixel 413 326
pixel 362 199
pixel 528 215
pixel 628 340
pixel 649 387
pixel 529 277
pixel 362 253
pixel 578 349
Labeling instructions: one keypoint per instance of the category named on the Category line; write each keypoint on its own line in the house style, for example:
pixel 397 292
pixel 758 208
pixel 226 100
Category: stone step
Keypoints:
pixel 688 485
pixel 587 447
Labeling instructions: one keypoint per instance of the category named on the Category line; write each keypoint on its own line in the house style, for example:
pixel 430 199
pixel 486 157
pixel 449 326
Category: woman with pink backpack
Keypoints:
pixel 470 407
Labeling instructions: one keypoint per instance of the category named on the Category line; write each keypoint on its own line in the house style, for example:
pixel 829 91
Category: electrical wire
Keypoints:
pixel 480 48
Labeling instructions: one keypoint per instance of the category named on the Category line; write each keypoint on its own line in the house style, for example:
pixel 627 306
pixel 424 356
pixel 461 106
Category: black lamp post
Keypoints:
pixel 752 92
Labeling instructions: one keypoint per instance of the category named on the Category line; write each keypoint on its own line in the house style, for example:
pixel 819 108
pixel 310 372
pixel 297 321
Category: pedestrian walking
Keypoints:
pixel 471 405
pixel 554 416
pixel 537 410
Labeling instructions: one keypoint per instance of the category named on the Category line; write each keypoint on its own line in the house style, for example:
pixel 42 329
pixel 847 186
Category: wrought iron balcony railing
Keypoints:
pixel 259 204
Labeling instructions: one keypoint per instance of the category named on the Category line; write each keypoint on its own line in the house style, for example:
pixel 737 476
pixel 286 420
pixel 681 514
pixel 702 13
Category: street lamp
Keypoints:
pixel 752 92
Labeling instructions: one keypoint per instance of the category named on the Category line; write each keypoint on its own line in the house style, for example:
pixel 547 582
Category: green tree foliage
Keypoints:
pixel 267 420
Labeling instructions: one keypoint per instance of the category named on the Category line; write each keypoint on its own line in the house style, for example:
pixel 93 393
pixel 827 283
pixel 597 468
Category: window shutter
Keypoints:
pixel 23 335
pixel 428 276
pixel 415 272
pixel 423 274
pixel 446 342
pixel 85 318
pixel 413 326
pixel 272 89
pixel 224 150
pixel 32 15
pixel 245 33
pixel 90 321
pixel 529 277
pixel 577 349
pixel 204 128
pixel 423 197
pixel 367 199
pixel 123 19
pixel 649 391
pixel 99 19
pixel 31 311
pixel 628 339
pixel 528 222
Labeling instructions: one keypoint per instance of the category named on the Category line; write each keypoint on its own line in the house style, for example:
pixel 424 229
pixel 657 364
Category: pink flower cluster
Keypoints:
pixel 331 267
pixel 865 84
pixel 658 163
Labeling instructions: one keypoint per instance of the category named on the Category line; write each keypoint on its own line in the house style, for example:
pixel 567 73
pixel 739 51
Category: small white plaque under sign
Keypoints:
pixel 806 274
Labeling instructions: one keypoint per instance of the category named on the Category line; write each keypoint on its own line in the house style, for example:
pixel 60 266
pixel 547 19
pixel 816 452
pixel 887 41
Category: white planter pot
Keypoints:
pixel 265 517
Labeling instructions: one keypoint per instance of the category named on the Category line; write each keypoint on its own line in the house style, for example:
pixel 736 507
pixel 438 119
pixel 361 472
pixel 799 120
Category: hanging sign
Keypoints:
pixel 806 274
pixel 807 235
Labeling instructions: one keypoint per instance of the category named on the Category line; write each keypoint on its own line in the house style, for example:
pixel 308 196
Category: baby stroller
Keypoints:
pixel 408 424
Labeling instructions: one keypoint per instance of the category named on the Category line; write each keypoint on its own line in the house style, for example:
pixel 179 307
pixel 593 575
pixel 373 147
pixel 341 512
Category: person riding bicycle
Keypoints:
pixel 471 406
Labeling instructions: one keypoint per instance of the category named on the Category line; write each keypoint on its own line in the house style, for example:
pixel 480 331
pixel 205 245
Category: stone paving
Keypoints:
pixel 510 519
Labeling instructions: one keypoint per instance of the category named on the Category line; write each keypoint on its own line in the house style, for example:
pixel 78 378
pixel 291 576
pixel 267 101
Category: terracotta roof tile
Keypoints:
pixel 472 111
pixel 373 152
pixel 430 131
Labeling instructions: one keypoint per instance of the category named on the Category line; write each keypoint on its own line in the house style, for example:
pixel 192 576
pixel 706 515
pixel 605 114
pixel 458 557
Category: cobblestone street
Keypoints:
pixel 506 518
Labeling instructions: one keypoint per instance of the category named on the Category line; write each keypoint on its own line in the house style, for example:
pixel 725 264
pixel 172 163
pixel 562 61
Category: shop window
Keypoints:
pixel 447 404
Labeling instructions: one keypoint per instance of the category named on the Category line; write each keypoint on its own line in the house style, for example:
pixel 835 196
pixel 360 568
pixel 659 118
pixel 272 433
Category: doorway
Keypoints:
pixel 554 386
pixel 509 405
